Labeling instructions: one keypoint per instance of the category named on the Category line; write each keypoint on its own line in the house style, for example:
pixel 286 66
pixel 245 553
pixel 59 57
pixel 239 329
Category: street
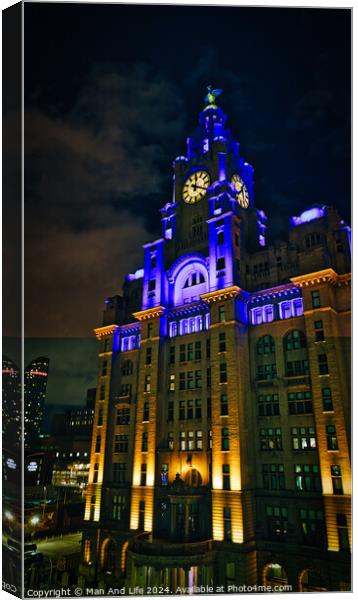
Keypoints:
pixel 60 546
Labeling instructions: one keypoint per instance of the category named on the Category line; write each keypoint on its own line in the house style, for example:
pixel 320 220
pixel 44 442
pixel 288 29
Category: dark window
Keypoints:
pixel 119 472
pixel 172 355
pixel 323 364
pixel 143 474
pixel 266 345
pixel 332 442
pixel 327 399
pixel 127 367
pixel 141 514
pixel 102 392
pixel 316 299
pixel 273 477
pixel 319 331
pixel 221 314
pixel 313 239
pixel 181 410
pixel 100 417
pixel 336 475
pixel 207 348
pixel 223 372
pixel 153 262
pixel 299 403
pixel 150 330
pixel 222 341
pixel 122 416
pixel 208 407
pixel 120 443
pixel 220 263
pixel 148 356
pixel 266 372
pixel 104 368
pixel 312 526
pixel 225 443
pixel 277 521
pixel 151 286
pixel 268 405
pixel 227 523
pixel 226 476
pixel 307 478
pixel 224 405
pixel 220 238
pixel 342 527
pixel 198 381
pixel 295 340
pixel 297 368
pixel 95 473
pixel 145 441
pixel 145 411
pixel 198 408
pixel 190 352
pixel 107 345
pixel 197 350
pixel 208 377
pixel 189 409
pixel 98 444
pixel 170 410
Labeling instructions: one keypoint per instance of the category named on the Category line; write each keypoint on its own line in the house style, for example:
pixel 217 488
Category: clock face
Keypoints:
pixel 195 187
pixel 242 193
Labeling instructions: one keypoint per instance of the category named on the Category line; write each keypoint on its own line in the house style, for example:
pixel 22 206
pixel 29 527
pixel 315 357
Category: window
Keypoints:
pixel 312 526
pixel 102 392
pixel 222 342
pixel 327 399
pixel 120 443
pixel 210 440
pixel 297 368
pixel 126 389
pixel 226 476
pixel 332 442
pixel 319 331
pixel 147 383
pixel 181 410
pixel 227 523
pixel 190 380
pixel 170 410
pixel 92 508
pixel 149 330
pixel 118 507
pixel 221 314
pixel 268 405
pixel 266 372
pixel 172 382
pixel 119 472
pixel 307 478
pixel 98 444
pixel 199 440
pixel 220 263
pixel 266 345
pixel 182 440
pixel 316 299
pixel 197 350
pixel 225 443
pixel 190 352
pixel 198 408
pixel 127 367
pixel 148 356
pixel 100 417
pixel 223 373
pixel 143 474
pixel 153 261
pixel 224 405
pixel 342 527
pixel 313 239
pixel 303 438
pixel 104 368
pixel 273 477
pixel 336 475
pixel 145 441
pixel 141 514
pixel 151 286
pixel 299 403
pixel 294 340
pixel 208 377
pixel 171 440
pixel 277 521
pixel 95 473
pixel 268 313
pixel 208 407
pixel 164 474
pixel 271 439
pixel 145 411
pixel 207 348
pixel 323 364
pixel 122 416
pixel 189 409
pixel 172 355
pixel 182 355
pixel 220 238
pixel 198 382
pixel 107 345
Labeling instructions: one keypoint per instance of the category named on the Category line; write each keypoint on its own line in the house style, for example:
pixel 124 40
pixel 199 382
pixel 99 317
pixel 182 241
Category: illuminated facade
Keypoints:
pixel 220 449
pixel 36 374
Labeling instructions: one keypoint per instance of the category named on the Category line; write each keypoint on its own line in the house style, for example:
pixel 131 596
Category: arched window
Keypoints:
pixel 109 555
pixel 266 345
pixel 194 279
pixel 311 581
pixel 193 478
pixel 274 574
pixel 294 340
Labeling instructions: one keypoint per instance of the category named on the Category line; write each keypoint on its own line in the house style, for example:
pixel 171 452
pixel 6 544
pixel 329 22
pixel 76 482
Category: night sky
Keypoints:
pixel 112 91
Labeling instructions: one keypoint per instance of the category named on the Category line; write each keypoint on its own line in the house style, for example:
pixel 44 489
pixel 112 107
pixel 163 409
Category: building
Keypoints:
pixel 220 448
pixel 11 404
pixel 36 374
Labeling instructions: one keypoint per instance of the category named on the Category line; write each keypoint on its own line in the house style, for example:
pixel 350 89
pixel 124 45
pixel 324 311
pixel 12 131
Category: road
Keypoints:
pixel 60 546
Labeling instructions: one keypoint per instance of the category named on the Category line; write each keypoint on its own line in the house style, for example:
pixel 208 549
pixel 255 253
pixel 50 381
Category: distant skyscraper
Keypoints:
pixel 35 392
pixel 11 415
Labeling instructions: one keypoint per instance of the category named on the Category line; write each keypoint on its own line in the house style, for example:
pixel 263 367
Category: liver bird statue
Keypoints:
pixel 211 95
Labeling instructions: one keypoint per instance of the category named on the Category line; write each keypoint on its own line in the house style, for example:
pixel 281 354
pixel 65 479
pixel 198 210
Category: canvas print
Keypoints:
pixel 176 396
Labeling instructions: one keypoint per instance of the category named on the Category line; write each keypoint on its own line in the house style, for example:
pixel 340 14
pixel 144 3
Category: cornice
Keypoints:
pixel 101 332
pixel 325 276
pixel 149 313
pixel 224 294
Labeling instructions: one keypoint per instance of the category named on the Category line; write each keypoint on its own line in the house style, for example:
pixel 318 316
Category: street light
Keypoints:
pixel 34 520
pixel 8 515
